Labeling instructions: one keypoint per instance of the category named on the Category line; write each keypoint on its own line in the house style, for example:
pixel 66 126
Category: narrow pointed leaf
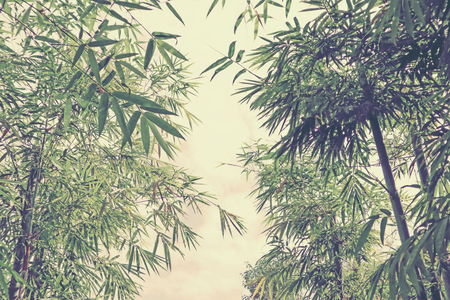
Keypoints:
pixel 171 50
pixel 212 7
pixel 94 65
pixel 164 125
pixel 131 5
pixel 78 54
pixel 363 237
pixel 139 100
pixel 223 67
pixel 120 71
pixel 383 229
pixel 132 124
pixel 101 43
pixel 125 55
pixel 149 53
pixel 102 112
pixel 163 35
pixel 67 112
pixel 90 92
pixel 117 16
pixel 160 140
pixel 231 49
pixel 145 135
pixel 121 119
pixel 109 78
pixel 288 6
pixel 175 13
pixel 73 80
pixel 165 56
pixel 215 64
pixel 239 74
pixel 238 21
pixel 240 55
pixel 133 69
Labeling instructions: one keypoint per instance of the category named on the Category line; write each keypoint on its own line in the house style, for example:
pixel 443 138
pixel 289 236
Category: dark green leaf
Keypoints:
pixel 109 78
pixel 67 112
pixel 212 7
pixel 73 80
pixel 164 125
pixel 90 92
pixel 171 50
pixel 145 135
pixel 94 65
pixel 239 74
pixel 160 140
pixel 46 39
pixel 163 35
pixel 172 9
pixel 103 42
pixel 231 49
pixel 103 112
pixel 165 56
pixel 102 2
pixel 220 69
pixel 132 124
pixel 78 54
pixel 215 64
pixel 158 110
pixel 363 237
pixel 120 71
pixel 125 55
pixel 117 16
pixel 121 119
pixel 383 229
pixel 238 21
pixel 131 5
pixel 386 211
pixel 139 100
pixel 240 55
pixel 133 69
pixel 149 53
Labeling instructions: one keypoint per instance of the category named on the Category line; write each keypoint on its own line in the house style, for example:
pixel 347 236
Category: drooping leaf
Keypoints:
pixel 139 100
pixel 364 235
pixel 160 140
pixel 121 119
pixel 132 124
pixel 220 69
pixel 125 55
pixel 288 6
pixel 132 69
pixel 46 39
pixel 165 56
pixel 118 16
pixel 171 50
pixel 175 13
pixel 67 113
pixel 120 71
pixel 73 80
pixel 383 229
pixel 164 125
pixel 103 112
pixel 145 135
pixel 78 54
pixel 238 21
pixel 149 53
pixel 109 78
pixel 239 74
pixel 90 92
pixel 240 55
pixel 94 65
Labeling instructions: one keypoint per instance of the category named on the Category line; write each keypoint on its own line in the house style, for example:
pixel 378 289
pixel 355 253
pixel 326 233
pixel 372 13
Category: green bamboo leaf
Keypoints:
pixel 364 235
pixel 288 6
pixel 114 27
pixel 386 211
pixel 239 20
pixel 158 110
pixel 239 74
pixel 440 236
pixel 24 19
pixel 94 65
pixel 415 253
pixel 131 5
pixel 383 229
pixel 132 69
pixel 73 80
pixel 416 7
pixel 240 55
pixel 164 125
pixel 46 39
pixel 215 64
pixel 139 100
pixel 3 283
pixel 78 54
pixel 160 140
pixel 108 78
pixel 132 124
pixel 117 16
pixel 102 2
pixel 231 49
pixel 145 135
pixel 256 28
pixel 67 112
pixel 172 9
pixel 165 56
pixel 171 50
pixel 149 53
pixel 163 35
pixel 103 112
pixel 120 71
pixel 223 67
pixel 90 92
pixel 125 55
pixel 103 42
pixel 121 119
pixel 212 7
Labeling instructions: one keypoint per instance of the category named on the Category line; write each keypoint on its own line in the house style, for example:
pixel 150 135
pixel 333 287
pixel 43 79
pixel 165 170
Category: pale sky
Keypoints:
pixel 213 270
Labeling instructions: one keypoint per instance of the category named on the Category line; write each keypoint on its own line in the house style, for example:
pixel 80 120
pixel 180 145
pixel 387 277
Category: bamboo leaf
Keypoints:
pixel 120 71
pixel 215 64
pixel 171 50
pixel 383 229
pixel 149 53
pixel 103 42
pixel 364 235
pixel 67 112
pixel 238 21
pixel 223 67
pixel 108 78
pixel 175 13
pixel 90 92
pixel 103 112
pixel 132 68
pixel 78 54
pixel 163 35
pixel 73 80
pixel 160 140
pixel 288 6
pixel 231 49
pixel 239 74
pixel 131 5
pixel 145 135
pixel 131 126
pixel 94 65
pixel 121 119
pixel 240 55
pixel 139 100
pixel 119 17
pixel 212 7
pixel 165 56
pixel 164 125
pixel 125 55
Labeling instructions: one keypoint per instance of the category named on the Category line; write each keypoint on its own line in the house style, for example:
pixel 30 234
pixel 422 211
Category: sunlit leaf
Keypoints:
pixel 78 54
pixel 164 125
pixel 94 65
pixel 171 50
pixel 160 140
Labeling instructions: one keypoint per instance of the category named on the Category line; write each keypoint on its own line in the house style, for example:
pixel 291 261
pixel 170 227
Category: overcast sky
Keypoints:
pixel 213 271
